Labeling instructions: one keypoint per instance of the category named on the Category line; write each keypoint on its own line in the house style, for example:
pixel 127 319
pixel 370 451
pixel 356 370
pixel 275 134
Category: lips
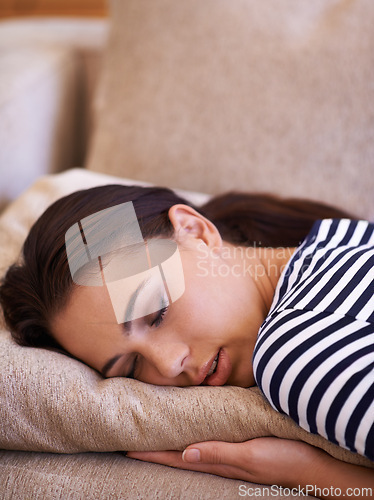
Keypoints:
pixel 216 371
pixel 214 366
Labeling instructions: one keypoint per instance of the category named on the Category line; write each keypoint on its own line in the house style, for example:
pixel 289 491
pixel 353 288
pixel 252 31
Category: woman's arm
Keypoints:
pixel 273 461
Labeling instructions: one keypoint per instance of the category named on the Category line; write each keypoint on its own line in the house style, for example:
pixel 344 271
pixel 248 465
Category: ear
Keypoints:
pixel 188 223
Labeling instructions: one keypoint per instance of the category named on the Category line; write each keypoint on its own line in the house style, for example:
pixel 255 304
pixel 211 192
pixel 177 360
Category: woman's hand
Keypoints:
pixel 262 460
pixel 271 461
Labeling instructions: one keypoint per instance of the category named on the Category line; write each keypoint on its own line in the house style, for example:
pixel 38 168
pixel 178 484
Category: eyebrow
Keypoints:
pixel 126 326
pixel 130 306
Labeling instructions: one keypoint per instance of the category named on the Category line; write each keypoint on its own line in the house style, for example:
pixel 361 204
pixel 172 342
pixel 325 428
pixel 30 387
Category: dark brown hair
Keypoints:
pixel 35 289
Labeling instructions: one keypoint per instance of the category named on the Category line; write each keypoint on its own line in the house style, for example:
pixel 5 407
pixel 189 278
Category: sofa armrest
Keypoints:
pixel 49 69
pixel 37 122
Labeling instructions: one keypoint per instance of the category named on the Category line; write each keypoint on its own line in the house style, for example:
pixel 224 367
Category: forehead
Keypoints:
pixel 86 306
pixel 107 249
pixel 87 328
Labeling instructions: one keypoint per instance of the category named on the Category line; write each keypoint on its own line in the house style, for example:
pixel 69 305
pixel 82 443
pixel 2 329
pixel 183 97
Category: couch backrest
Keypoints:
pixel 215 95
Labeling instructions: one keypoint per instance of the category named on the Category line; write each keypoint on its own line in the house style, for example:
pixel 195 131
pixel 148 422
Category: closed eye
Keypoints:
pixel 155 323
pixel 160 317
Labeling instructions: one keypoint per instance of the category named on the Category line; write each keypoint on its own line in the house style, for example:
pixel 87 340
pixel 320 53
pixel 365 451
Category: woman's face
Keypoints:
pixel 204 337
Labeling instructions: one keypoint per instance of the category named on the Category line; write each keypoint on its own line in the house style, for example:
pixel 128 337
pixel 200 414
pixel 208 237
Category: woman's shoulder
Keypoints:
pixel 316 345
pixel 334 248
pixel 340 232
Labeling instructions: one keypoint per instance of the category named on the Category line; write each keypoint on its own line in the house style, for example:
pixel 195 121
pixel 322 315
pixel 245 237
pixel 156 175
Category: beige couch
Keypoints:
pixel 204 96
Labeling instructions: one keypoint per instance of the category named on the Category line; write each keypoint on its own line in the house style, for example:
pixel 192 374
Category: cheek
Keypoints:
pixel 210 307
pixel 150 375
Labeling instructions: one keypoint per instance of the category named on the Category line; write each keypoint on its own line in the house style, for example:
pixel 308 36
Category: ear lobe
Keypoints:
pixel 187 221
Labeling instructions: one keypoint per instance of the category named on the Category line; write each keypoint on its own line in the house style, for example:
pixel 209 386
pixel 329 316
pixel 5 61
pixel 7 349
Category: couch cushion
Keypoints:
pixel 52 403
pixel 218 95
pixel 93 476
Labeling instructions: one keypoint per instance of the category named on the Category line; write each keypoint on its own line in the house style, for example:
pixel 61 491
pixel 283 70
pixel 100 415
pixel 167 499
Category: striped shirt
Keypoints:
pixel 314 356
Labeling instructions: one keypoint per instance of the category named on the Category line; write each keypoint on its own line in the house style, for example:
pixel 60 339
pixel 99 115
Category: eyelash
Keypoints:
pixel 160 317
pixel 156 322
pixel 133 368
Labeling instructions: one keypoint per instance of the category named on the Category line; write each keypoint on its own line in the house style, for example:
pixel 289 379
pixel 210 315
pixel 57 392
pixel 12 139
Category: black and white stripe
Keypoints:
pixel 314 357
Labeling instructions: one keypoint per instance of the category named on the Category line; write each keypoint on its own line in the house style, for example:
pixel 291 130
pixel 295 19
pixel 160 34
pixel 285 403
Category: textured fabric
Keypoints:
pixel 50 402
pixel 314 357
pixel 216 95
pixel 102 476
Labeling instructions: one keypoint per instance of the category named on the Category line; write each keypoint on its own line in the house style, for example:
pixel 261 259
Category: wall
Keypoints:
pixel 15 8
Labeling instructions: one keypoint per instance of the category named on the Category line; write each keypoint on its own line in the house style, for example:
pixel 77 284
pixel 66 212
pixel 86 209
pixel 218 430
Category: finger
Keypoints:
pixel 216 452
pixel 170 458
pixel 174 459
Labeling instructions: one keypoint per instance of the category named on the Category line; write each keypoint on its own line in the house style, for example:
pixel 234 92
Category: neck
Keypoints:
pixel 264 265
pixel 268 264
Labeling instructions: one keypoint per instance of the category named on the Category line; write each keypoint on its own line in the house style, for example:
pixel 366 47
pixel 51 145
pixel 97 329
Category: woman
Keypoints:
pixel 249 289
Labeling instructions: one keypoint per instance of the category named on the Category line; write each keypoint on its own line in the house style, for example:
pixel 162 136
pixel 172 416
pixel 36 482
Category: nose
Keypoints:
pixel 167 357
